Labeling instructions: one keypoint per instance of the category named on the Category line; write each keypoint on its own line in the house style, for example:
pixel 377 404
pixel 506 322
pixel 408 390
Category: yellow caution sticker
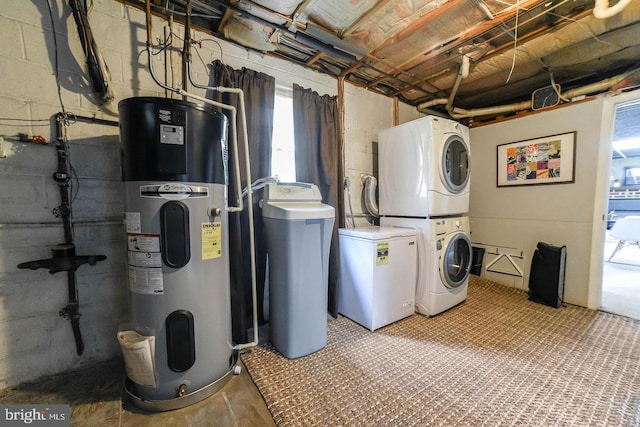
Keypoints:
pixel 382 253
pixel 211 240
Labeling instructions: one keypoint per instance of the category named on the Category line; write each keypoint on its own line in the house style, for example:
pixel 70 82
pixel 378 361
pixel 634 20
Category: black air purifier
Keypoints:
pixel 546 280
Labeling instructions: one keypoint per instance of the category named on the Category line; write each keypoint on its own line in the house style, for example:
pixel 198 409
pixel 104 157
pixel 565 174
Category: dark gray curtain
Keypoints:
pixel 317 152
pixel 259 94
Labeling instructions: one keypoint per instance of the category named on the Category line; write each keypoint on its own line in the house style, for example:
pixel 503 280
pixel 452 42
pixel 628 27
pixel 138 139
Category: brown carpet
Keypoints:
pixel 497 359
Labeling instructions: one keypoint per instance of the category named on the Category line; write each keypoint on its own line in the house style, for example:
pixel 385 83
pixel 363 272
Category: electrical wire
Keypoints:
pixel 199 43
pixel 23 120
pixel 347 185
pixel 515 41
pixel 55 55
pixel 201 60
pixel 556 88
pixel 166 43
pixel 13 122
pixel 175 12
pixel 214 41
pixel 585 29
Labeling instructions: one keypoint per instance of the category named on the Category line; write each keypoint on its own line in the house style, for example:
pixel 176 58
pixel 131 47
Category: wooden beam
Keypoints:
pixel 228 13
pixel 314 58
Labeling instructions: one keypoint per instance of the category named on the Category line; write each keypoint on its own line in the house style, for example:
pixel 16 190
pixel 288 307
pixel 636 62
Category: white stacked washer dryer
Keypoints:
pixel 424 171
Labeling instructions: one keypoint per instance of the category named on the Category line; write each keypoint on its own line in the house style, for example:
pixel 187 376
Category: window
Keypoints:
pixel 283 162
pixel 631 175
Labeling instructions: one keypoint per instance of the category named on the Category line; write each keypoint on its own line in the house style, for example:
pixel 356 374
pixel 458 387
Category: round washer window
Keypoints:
pixel 457 260
pixel 455 164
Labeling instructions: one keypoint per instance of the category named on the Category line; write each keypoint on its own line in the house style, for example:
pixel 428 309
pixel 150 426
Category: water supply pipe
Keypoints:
pixel 245 132
pixel 240 205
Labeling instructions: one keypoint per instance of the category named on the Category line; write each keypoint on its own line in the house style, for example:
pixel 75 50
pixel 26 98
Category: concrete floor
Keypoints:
pixel 95 396
pixel 621 280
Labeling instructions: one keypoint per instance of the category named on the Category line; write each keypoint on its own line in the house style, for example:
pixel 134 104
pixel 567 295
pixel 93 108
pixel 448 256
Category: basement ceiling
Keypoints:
pixel 440 55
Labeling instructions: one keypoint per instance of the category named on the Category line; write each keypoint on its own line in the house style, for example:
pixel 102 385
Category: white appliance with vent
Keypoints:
pixel 377 275
pixel 424 168
pixel 444 261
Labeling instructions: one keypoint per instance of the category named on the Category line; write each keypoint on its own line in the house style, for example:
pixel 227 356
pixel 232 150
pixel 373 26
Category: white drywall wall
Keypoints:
pixel 561 214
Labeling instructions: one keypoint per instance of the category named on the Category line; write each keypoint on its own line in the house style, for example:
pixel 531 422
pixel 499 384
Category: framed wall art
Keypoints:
pixel 546 160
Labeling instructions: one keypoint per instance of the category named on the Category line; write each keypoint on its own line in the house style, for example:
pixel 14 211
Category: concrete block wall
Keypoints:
pixel 34 340
pixel 367 113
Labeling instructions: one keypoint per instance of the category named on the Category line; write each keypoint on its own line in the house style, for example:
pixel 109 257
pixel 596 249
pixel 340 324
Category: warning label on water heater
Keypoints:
pixel 146 280
pixel 145 263
pixel 143 242
pixel 211 240
pixel 382 253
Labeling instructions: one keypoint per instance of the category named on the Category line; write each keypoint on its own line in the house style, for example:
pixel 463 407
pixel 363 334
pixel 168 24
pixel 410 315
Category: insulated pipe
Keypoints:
pixel 432 103
pixel 602 10
pixel 594 87
pixel 463 72
pixel 459 113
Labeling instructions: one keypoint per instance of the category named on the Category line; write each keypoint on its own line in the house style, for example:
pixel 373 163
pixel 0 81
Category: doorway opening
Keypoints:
pixel 621 268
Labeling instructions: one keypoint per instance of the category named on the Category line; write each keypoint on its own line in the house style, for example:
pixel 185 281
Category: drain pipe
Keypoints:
pixel 240 204
pixel 463 72
pixel 595 87
pixel 602 10
pixel 245 132
pixel 370 183
pixel 460 113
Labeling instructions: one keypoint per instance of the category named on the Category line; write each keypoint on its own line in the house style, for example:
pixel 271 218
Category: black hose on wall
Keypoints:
pixel 97 68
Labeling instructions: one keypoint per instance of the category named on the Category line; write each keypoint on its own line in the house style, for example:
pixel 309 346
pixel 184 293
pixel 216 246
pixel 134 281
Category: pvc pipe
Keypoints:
pixel 463 72
pixel 433 102
pixel 602 10
pixel 594 87
pixel 240 206
pixel 459 113
pixel 245 132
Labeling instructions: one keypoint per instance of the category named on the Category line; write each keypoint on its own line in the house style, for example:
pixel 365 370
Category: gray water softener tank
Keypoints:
pixel 298 228
pixel 174 173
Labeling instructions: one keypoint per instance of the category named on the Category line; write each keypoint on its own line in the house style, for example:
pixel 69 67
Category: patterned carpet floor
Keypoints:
pixel 495 360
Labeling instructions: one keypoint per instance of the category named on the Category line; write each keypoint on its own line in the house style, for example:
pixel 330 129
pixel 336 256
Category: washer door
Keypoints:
pixel 455 164
pixel 455 259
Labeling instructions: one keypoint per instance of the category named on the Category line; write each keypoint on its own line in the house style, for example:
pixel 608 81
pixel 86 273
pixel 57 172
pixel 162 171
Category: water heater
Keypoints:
pixel 174 173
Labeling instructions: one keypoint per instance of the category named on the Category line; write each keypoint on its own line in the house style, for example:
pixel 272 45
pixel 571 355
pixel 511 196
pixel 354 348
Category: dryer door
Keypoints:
pixel 455 259
pixel 455 164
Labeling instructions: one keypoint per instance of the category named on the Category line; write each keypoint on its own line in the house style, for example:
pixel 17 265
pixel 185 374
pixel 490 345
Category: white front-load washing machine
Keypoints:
pixel 444 261
pixel 424 168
